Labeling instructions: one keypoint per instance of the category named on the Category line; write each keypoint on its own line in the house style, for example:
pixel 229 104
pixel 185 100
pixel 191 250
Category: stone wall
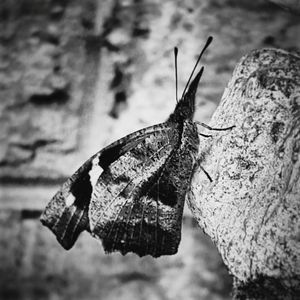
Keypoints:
pixel 75 76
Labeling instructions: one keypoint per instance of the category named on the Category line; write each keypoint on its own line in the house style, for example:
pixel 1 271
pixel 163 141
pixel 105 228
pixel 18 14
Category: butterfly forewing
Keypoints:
pixel 121 212
pixel 67 213
pixel 137 203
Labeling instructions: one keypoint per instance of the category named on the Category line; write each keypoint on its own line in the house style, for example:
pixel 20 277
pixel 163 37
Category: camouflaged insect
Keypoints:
pixel 131 194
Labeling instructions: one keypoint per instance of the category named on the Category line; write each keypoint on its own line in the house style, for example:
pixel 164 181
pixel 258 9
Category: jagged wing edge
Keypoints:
pixel 66 215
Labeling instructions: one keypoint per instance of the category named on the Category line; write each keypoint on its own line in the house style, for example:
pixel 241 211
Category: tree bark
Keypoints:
pixel 251 209
pixel 290 5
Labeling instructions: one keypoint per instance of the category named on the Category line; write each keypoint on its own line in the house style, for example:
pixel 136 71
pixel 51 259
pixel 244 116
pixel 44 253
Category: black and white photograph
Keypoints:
pixel 149 150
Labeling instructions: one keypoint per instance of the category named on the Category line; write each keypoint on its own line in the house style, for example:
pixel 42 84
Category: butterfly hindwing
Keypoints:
pixel 67 213
pixel 137 203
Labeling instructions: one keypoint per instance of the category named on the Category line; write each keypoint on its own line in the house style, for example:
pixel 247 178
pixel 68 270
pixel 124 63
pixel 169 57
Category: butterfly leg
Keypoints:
pixel 205 135
pixel 198 165
pixel 212 128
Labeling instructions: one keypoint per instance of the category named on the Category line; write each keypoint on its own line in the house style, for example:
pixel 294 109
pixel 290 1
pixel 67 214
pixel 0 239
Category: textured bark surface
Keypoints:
pixel 251 209
pixel 292 6
pixel 77 75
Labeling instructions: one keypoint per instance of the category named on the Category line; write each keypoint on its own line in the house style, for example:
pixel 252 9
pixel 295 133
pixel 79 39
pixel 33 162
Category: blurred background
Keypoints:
pixel 77 75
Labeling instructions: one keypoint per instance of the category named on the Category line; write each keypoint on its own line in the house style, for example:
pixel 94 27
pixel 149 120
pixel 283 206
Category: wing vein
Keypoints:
pixel 115 198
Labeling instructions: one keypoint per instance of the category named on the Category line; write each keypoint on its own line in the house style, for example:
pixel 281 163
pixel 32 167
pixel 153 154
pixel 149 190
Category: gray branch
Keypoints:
pixel 251 209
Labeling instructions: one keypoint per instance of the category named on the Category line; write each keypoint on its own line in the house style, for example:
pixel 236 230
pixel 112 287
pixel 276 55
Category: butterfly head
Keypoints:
pixel 185 107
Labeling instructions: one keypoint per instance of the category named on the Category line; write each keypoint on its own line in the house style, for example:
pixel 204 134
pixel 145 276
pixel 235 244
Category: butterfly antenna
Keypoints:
pixel 176 76
pixel 199 57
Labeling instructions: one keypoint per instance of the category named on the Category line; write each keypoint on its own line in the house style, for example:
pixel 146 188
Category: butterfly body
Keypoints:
pixel 131 194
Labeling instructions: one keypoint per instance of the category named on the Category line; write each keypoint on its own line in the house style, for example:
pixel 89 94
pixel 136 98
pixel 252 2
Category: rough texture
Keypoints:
pixel 251 209
pixel 292 6
pixel 43 76
pixel 77 75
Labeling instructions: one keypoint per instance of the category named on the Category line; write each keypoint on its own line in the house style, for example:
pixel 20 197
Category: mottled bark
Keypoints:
pixel 290 5
pixel 251 209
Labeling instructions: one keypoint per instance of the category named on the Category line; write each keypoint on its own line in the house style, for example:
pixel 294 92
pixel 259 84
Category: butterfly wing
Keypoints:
pixel 131 193
pixel 67 213
pixel 137 203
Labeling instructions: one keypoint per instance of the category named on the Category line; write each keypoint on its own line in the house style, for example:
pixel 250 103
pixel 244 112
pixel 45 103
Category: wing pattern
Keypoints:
pixel 137 203
pixel 131 194
pixel 67 213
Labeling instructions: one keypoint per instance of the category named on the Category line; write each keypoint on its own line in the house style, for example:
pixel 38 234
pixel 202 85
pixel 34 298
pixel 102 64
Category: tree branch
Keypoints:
pixel 251 209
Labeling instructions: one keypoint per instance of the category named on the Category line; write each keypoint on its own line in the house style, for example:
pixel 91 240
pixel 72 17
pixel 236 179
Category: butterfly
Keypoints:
pixel 131 194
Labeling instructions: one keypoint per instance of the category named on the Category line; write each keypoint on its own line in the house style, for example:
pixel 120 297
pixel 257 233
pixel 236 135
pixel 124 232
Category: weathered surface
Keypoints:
pixel 43 73
pixel 114 60
pixel 292 6
pixel 251 210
